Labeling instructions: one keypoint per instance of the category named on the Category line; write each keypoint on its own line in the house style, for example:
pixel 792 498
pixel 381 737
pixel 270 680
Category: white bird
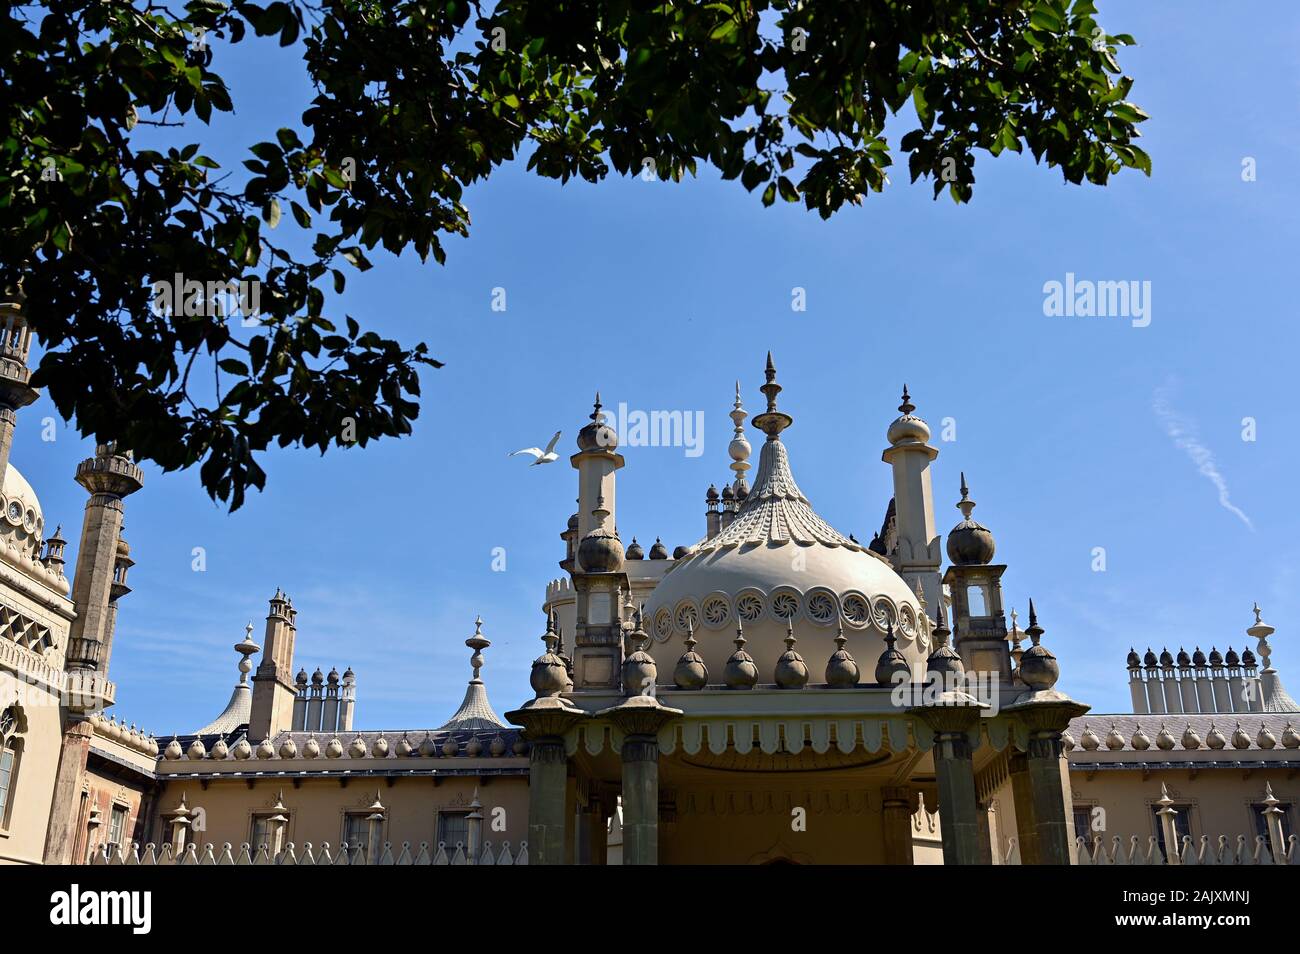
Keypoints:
pixel 543 456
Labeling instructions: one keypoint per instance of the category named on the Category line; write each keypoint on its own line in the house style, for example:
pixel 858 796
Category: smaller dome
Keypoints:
pixel 333 677
pixel 404 747
pixel 220 750
pixel 1247 659
pixel 1164 739
pixel 908 429
pixel 969 543
pixel 311 749
pixel 1291 738
pixel 1198 657
pixel 573 522
pixel 1191 740
pixel 1134 660
pixel 428 748
pixel 1114 740
pixel 681 551
pixel 1240 740
pixel 712 494
pixel 1266 739
pixel 1089 739
pixel 1184 660
pixel 318 677
pixel 196 749
pixel 741 673
pixel 634 552
pixel 1140 741
pixel 289 749
pixel 380 748
pixel 265 750
pixel 791 671
pixel 1149 660
pixel 334 749
pixel 658 551
pixel 1214 738
pixel 450 748
pixel 173 750
pixel 1216 658
pixel 474 748
pixel 498 746
pixel 601 551
pixel 301 678
pixel 243 749
pixel 1166 659
pixel 728 494
pixel 357 749
pixel 1232 659
pixel 597 435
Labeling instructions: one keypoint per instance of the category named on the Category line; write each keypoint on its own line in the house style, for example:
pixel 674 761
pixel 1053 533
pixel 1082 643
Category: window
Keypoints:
pixel 1083 823
pixel 264 834
pixel 356 830
pixel 8 764
pixel 976 605
pixel 453 828
pixel 1182 825
pixel 117 825
pixel 1261 823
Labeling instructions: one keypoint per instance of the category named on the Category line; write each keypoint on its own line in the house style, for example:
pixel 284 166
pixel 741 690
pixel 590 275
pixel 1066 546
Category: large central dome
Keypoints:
pixel 779 563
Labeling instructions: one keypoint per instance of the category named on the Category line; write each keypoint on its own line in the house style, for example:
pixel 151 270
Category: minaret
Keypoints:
pixel 274 690
pixel 910 454
pixel 975 582
pixel 596 462
pixel 739 448
pixel 100 579
pixel 712 518
pixel 15 392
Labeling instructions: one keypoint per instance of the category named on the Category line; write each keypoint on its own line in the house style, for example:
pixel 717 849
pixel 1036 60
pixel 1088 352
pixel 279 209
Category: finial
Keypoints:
pixel 789 634
pixel 596 414
pixel 740 634
pixel 1034 631
pixel 772 422
pixel 907 407
pixel 477 642
pixel 965 505
pixel 1255 609
pixel 690 635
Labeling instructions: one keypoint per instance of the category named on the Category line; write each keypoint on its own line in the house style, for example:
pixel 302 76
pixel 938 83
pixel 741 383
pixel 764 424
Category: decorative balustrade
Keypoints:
pixel 210 854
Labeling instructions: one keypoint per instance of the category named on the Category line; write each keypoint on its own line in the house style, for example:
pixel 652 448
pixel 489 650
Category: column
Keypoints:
pixel 640 718
pixel 958 809
pixel 1040 779
pixel 60 836
pixel 896 823
pixel 548 769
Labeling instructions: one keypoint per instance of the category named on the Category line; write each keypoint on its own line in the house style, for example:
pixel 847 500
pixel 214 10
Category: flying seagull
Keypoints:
pixel 543 456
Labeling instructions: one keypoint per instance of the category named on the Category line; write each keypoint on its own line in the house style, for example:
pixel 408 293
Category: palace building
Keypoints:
pixel 777 692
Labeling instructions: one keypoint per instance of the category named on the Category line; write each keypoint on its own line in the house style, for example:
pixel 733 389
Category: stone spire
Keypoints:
pixel 771 422
pixel 15 391
pixel 240 706
pixel 475 710
pixel 109 477
pixel 1276 698
pixel 739 448
pixel 916 555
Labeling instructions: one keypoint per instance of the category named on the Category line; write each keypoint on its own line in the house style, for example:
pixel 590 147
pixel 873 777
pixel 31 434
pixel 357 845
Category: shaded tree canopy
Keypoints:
pixel 142 267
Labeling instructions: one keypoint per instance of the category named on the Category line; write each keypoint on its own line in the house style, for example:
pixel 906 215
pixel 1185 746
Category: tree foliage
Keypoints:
pixel 414 102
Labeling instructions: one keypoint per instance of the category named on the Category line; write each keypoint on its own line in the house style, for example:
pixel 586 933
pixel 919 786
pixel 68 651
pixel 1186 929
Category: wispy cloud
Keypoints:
pixel 1183 432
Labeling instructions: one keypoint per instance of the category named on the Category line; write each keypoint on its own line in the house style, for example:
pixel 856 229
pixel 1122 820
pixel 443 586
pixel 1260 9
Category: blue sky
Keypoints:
pixel 662 294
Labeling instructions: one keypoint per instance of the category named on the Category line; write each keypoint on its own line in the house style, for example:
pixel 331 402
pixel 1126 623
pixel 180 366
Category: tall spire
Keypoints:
pixel 772 422
pixel 739 448
pixel 240 706
pixel 475 710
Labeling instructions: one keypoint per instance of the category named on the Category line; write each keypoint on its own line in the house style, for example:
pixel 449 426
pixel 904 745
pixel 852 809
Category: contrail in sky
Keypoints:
pixel 1182 432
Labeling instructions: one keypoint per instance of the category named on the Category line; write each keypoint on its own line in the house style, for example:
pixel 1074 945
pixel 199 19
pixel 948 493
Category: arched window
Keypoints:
pixel 10 748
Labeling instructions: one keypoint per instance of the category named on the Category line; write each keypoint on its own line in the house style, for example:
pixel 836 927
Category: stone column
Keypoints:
pixel 896 822
pixel 1040 780
pixel 952 718
pixel 61 836
pixel 546 720
pixel 640 718
pixel 597 833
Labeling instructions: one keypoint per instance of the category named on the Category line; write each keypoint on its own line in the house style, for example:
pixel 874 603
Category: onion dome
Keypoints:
pixel 969 543
pixel 1166 659
pixel 311 748
pixel 1216 658
pixel 1232 659
pixel 711 495
pixel 1214 738
pixel 690 672
pixel 791 671
pixel 1248 659
pixel 318 677
pixel 741 673
pixel 265 750
pixel 601 551
pixel 520 746
pixel 450 747
pixel 1184 660
pixel 243 749
pixel 173 750
pixel 680 551
pixel 1164 739
pixel 428 748
pixel 1191 740
pixel 639 671
pixel 597 435
pixel 1140 740
pixel 358 748
pixel 842 669
pixel 334 749
pixel 349 677
pixel 404 747
pixel 196 750
pixel 288 749
pixel 498 746
pixel 474 748
pixel 379 748
pixel 333 678
pixel 301 678
pixel 892 668
pixel 1114 741
pixel 728 495
pixel 634 552
pixel 1089 739
pixel 1149 659
pixel 549 677
pixel 1067 742
pixel 658 551
pixel 219 749
pixel 1039 669
pixel 573 522
pixel 1266 739
pixel 1240 740
pixel 1134 660
pixel 1290 737
pixel 908 429
pixel 1198 658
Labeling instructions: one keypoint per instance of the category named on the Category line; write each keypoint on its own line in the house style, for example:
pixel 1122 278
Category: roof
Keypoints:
pixel 235 714
pixel 1285 736
pixel 475 711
